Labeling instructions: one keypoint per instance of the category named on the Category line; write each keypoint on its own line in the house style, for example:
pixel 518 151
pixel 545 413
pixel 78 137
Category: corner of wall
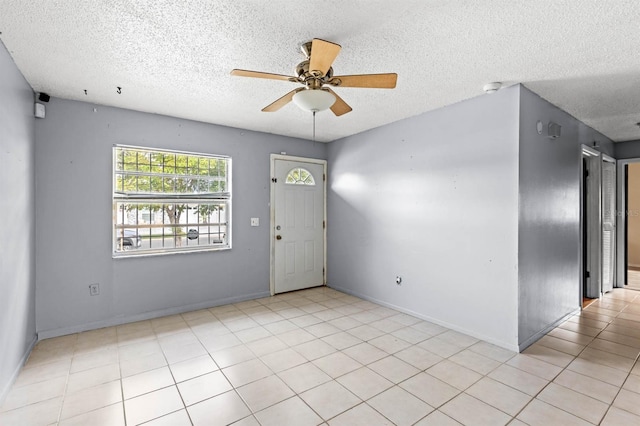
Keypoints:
pixel 626 150
pixel 63 303
pixel 17 228
pixel 16 372
pixel 549 214
pixel 448 184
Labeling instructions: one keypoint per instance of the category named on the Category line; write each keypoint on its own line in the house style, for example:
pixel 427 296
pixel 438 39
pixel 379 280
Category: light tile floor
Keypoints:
pixel 323 357
pixel 633 280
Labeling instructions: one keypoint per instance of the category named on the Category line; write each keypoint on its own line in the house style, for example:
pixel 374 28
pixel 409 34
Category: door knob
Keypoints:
pixel 278 237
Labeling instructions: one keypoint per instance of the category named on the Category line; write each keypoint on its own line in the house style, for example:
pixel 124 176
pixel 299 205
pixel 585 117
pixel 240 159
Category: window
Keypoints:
pixel 299 176
pixel 167 202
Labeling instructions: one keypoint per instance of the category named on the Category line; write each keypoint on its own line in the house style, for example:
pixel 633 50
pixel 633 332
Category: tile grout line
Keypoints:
pixel 626 304
pixel 124 407
pixel 630 370
pixel 575 357
pixel 295 394
pixel 338 330
pixel 66 385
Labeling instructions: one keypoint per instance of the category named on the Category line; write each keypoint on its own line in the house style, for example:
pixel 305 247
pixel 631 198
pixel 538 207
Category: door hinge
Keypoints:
pixel 587 274
pixel 323 224
pixel 324 177
pixel 323 272
pixel 274 180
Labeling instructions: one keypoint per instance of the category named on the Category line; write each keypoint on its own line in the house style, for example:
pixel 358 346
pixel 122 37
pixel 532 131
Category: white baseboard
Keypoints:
pixel 47 334
pixel 16 372
pixel 505 345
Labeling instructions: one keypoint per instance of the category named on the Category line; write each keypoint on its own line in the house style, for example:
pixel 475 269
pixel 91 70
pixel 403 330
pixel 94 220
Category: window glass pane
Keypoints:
pixel 183 185
pixel 156 162
pixel 130 160
pixel 141 226
pixel 189 205
pixel 299 176
pixel 203 166
pixel 156 184
pixel 119 159
pixel 181 174
pixel 192 164
pixel 144 184
pixel 168 185
pixel 169 163
pixel 144 162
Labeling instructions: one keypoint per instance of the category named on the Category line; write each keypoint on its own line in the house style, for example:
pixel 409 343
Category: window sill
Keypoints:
pixel 133 254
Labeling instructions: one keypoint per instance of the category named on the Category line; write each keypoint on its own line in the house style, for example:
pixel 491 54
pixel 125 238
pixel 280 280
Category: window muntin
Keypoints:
pixel 299 176
pixel 166 201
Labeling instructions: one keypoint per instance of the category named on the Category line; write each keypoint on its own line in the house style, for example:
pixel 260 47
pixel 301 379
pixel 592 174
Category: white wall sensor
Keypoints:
pixel 39 111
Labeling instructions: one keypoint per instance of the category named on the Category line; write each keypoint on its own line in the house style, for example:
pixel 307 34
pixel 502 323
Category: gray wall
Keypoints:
pixel 433 199
pixel 73 216
pixel 549 215
pixel 627 150
pixel 17 247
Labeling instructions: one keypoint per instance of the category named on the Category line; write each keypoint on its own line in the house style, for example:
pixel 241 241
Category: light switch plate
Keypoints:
pixel 255 221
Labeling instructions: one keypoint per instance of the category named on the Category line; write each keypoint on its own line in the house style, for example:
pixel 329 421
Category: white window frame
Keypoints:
pixel 194 199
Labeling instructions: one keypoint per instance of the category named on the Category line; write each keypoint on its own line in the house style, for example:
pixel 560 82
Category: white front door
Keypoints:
pixel 298 215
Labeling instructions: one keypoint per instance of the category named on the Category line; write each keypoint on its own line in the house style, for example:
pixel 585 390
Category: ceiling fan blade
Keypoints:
pixel 323 53
pixel 258 74
pixel 339 107
pixel 374 81
pixel 282 101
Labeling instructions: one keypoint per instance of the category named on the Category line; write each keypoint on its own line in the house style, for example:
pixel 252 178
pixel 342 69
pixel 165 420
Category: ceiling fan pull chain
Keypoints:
pixel 314 126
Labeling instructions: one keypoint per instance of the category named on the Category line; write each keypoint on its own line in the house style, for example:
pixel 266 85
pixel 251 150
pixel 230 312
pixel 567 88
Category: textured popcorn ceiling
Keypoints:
pixel 174 58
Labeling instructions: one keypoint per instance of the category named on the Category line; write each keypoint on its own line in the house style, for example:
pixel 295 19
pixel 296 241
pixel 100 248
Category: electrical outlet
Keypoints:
pixel 255 221
pixel 399 280
pixel 94 289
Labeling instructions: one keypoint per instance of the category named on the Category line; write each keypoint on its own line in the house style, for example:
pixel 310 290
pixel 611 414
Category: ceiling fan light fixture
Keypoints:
pixel 314 100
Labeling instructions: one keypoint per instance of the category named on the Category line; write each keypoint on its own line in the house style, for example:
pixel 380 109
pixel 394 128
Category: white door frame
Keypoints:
pixel 593 246
pixel 272 219
pixel 621 221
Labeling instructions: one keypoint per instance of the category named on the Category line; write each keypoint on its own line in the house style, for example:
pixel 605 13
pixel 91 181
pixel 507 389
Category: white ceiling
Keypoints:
pixel 174 58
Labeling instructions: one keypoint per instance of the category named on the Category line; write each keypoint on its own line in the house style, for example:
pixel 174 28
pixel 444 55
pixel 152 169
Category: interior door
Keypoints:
pixel 586 243
pixel 591 194
pixel 608 222
pixel 298 197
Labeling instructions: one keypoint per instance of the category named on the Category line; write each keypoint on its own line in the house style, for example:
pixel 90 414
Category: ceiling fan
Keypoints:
pixel 315 73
